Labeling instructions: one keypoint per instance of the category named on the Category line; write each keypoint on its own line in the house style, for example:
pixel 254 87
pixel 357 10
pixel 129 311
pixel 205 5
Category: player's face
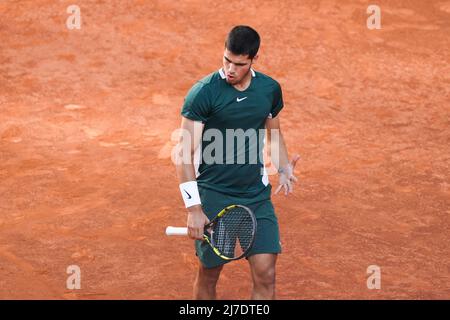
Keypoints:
pixel 236 67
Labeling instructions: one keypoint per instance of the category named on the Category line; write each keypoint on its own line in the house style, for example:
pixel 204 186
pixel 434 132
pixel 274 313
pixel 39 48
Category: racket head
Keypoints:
pixel 231 234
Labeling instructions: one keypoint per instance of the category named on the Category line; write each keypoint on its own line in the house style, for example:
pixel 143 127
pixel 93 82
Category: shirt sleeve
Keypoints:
pixel 197 103
pixel 277 103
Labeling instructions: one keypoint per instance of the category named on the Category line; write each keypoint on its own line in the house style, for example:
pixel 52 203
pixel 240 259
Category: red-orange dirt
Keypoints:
pixel 86 118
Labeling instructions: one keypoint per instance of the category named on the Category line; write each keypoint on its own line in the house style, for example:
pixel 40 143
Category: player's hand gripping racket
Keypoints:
pixel 231 233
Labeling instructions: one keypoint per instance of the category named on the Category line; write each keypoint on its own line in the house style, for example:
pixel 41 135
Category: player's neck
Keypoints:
pixel 244 83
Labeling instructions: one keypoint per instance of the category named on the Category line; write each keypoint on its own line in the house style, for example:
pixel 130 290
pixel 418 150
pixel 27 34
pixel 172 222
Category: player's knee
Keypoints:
pixel 209 275
pixel 265 277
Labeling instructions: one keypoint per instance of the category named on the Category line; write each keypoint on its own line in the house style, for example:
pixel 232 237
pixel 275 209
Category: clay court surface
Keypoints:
pixel 86 118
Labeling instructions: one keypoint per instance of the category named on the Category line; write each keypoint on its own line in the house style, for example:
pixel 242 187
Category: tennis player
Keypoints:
pixel 238 98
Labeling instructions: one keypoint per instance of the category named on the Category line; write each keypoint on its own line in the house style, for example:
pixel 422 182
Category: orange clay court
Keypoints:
pixel 86 118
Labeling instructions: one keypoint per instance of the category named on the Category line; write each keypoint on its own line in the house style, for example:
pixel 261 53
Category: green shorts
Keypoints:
pixel 267 235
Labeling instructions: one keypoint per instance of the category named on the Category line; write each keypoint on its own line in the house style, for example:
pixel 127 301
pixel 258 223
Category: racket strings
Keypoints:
pixel 233 232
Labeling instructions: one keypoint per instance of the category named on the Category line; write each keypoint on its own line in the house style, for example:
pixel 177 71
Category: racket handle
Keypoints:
pixel 176 231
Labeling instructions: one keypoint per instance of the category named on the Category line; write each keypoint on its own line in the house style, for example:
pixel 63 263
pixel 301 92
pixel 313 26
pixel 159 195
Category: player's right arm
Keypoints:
pixel 189 140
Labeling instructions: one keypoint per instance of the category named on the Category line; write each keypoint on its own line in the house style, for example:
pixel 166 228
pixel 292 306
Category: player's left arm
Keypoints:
pixel 279 155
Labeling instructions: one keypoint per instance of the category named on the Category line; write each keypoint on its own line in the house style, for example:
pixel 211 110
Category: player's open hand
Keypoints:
pixel 286 176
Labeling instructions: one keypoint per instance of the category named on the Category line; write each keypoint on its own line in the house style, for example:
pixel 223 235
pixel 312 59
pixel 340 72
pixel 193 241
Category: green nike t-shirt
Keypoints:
pixel 231 153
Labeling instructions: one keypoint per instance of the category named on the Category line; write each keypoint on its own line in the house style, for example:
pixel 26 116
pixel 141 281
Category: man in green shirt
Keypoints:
pixel 233 104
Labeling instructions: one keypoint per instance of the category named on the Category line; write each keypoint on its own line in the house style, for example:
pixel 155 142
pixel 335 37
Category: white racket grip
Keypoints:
pixel 176 231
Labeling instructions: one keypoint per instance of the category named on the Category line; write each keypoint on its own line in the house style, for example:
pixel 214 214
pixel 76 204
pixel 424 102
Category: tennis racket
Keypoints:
pixel 230 234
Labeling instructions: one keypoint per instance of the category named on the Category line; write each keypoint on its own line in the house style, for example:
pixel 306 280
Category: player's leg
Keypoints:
pixel 205 282
pixel 263 255
pixel 263 274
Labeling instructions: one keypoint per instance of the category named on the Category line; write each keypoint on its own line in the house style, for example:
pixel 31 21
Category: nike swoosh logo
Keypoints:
pixel 239 100
pixel 190 197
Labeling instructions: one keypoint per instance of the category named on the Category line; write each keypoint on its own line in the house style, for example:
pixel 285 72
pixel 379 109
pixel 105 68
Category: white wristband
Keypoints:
pixel 189 191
